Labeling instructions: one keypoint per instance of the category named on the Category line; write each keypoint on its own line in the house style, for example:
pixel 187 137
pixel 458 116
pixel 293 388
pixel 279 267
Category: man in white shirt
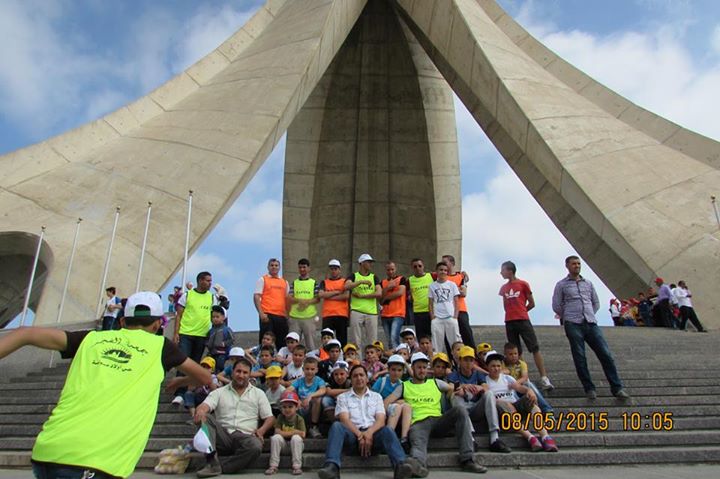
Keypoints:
pixel 361 423
pixel 443 305
pixel 687 312
pixel 235 437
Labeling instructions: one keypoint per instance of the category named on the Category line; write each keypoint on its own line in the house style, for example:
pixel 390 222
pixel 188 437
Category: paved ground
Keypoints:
pixel 621 472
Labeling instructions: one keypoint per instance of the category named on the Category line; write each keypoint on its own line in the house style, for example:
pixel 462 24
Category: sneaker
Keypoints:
pixel 549 444
pixel 405 443
pixel 211 469
pixel 329 471
pixel 418 470
pixel 315 432
pixel 472 466
pixel 546 384
pixel 622 394
pixel 499 446
pixel 178 401
pixel 403 470
pixel 535 445
pixel 591 394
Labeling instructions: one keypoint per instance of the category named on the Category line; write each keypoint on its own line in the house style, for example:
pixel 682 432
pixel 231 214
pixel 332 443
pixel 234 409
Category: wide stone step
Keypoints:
pixel 517 443
pixel 575 457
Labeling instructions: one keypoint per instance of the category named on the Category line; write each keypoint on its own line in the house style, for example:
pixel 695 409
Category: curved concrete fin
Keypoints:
pixel 630 199
pixel 209 129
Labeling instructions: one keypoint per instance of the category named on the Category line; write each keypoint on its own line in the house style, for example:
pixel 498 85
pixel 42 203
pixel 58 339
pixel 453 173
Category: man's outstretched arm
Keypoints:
pixel 45 338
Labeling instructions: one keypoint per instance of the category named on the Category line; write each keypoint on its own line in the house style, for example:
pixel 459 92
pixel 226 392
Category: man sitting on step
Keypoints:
pixel 425 397
pixel 361 424
pixel 234 435
pixel 84 437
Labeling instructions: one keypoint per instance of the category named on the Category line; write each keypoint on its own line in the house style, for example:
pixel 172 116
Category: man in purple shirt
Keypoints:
pixel 575 301
pixel 663 312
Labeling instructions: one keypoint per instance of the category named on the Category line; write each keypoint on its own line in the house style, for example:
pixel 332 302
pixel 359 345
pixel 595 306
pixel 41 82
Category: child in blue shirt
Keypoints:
pixel 310 389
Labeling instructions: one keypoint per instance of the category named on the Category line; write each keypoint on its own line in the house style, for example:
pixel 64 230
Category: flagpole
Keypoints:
pixel 142 250
pixel 106 268
pixel 69 269
pixel 187 240
pixel 32 277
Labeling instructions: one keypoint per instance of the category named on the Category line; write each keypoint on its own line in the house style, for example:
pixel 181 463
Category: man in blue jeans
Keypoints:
pixel 575 301
pixel 361 423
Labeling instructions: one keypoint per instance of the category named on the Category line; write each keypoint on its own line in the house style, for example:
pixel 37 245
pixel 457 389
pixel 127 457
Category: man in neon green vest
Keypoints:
pixel 365 290
pixel 303 296
pixel 193 319
pixel 425 397
pixel 83 436
pixel 419 283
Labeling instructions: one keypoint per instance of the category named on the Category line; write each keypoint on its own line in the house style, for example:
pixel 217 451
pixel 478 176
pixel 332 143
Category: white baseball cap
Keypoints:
pixel 340 365
pixel 334 262
pixel 332 342
pixel 293 335
pixel 407 331
pixel 401 346
pixel 395 359
pixel 327 332
pixel 492 353
pixel 237 352
pixel 418 357
pixel 365 257
pixel 148 299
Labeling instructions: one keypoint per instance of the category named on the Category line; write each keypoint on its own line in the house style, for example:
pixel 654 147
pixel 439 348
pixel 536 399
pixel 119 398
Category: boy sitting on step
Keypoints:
pixel 506 390
pixel 517 368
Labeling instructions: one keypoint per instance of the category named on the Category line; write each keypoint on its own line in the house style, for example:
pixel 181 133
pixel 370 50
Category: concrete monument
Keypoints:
pixel 363 89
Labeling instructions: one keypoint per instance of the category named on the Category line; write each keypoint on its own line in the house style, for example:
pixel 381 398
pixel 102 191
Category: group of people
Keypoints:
pixel 670 306
pixel 429 380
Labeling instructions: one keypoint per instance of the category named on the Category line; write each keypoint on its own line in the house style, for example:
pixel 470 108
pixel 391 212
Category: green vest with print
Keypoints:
pixel 425 399
pixel 303 289
pixel 364 305
pixel 108 404
pixel 419 288
pixel 197 314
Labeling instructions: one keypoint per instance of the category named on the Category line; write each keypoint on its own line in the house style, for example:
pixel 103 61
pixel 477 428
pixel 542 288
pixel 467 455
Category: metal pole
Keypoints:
pixel 67 275
pixel 715 207
pixel 106 268
pixel 142 250
pixel 32 277
pixel 187 240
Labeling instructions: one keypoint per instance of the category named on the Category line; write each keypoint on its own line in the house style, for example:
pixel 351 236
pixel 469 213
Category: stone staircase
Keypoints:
pixel 665 371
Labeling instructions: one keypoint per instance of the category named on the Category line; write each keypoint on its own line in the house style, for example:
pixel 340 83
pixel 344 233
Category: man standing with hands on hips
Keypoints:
pixel 365 291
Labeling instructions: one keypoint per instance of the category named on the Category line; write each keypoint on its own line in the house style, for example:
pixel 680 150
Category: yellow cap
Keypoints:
pixel 379 344
pixel 466 352
pixel 208 361
pixel 349 346
pixel 273 372
pixel 484 347
pixel 442 357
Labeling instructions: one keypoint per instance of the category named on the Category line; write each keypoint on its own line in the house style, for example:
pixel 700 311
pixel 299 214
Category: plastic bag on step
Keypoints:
pixel 173 461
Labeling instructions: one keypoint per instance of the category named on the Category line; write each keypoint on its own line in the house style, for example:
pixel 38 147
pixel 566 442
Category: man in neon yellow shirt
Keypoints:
pixel 365 290
pixel 425 397
pixel 83 436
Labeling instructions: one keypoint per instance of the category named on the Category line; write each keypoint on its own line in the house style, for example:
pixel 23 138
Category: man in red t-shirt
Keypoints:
pixel 517 301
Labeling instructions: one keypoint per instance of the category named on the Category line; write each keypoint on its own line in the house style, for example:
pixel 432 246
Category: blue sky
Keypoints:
pixel 68 62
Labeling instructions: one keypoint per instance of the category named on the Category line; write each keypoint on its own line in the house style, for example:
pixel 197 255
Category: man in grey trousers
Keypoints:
pixel 425 397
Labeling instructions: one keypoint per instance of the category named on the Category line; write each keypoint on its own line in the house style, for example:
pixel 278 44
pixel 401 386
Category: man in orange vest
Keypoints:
pixel 460 279
pixel 393 301
pixel 270 296
pixel 335 309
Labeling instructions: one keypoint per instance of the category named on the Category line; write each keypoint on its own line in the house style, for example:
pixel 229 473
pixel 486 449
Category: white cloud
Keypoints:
pixel 253 221
pixel 715 39
pixel 206 31
pixel 221 270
